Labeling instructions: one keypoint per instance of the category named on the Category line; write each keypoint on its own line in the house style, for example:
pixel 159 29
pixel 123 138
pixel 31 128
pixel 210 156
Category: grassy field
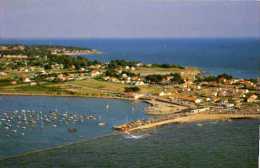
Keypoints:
pixel 188 72
pixel 92 87
pixel 88 87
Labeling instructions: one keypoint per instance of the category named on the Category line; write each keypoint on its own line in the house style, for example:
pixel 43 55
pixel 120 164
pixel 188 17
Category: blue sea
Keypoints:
pixel 238 57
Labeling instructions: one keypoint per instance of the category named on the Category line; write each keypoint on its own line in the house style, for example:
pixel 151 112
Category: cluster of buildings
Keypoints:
pixel 18 56
pixel 70 52
pixel 258 86
pixel 11 47
pixel 230 95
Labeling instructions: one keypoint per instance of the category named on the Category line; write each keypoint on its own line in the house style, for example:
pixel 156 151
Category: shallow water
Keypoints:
pixel 199 145
pixel 37 136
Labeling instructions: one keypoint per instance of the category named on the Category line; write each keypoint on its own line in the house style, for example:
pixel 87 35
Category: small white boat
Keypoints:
pixel 101 124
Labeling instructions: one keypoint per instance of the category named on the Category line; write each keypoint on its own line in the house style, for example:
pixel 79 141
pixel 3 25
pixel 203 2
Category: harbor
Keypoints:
pixel 29 123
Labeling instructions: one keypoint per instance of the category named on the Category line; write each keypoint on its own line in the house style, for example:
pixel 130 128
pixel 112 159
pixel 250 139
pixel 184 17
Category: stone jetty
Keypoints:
pixel 150 123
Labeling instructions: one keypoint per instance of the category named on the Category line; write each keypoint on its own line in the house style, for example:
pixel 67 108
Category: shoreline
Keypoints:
pixel 185 118
pixel 191 118
pixel 69 95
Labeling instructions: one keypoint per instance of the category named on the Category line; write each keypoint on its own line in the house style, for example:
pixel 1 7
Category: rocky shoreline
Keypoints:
pixel 183 118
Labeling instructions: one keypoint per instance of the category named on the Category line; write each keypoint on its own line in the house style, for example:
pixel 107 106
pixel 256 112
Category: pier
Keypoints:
pixel 150 123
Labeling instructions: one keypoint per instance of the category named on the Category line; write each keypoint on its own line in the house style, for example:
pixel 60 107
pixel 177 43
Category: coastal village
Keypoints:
pixel 172 91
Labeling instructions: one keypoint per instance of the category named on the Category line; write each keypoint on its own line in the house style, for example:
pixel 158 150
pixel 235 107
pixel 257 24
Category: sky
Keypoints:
pixel 129 19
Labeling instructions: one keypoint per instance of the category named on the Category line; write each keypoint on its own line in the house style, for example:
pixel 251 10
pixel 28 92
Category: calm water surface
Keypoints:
pixel 46 135
pixel 210 144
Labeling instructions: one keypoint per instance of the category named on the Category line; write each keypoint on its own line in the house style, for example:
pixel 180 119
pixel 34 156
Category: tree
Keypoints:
pixel 209 78
pixel 154 78
pixel 116 63
pixel 225 76
pixel 132 89
pixel 111 73
pixel 177 78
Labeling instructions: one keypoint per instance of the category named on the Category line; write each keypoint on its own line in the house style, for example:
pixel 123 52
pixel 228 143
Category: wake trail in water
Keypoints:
pixel 132 136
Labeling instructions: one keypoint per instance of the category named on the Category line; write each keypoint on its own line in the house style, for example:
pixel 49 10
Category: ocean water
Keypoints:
pixel 44 135
pixel 238 57
pixel 209 144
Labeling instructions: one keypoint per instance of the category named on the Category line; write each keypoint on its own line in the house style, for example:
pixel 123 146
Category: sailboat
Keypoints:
pixel 107 106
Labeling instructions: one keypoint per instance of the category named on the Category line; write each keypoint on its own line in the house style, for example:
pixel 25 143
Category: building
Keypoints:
pixel 252 98
pixel 134 95
pixel 198 101
pixel 61 77
pixel 13 82
pixel 27 80
pixel 258 86
pixel 95 73
pixel 3 74
pixel 165 93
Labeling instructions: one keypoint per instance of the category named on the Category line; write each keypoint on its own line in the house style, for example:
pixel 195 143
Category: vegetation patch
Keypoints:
pixel 132 89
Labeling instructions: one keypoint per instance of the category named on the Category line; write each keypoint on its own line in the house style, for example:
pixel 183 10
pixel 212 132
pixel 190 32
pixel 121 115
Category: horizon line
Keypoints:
pixel 89 38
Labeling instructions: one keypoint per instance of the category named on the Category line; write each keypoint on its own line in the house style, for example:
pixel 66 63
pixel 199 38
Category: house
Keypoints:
pixel 165 93
pixel 222 79
pixel 128 80
pixel 82 70
pixel 59 66
pixel 247 83
pixel 229 105
pixel 124 76
pixel 188 84
pixel 215 94
pixel 201 110
pixel 43 72
pixel 106 78
pixel 113 79
pixel 136 78
pixel 168 78
pixel 198 101
pixel 234 81
pixel 3 74
pixel 139 83
pixel 162 94
pixel 258 86
pixel 16 56
pixel 33 84
pixel 61 77
pixel 139 64
pixel 134 95
pixel 13 82
pixel 27 80
pixel 252 98
pixel 208 99
pixel 97 66
pixel 95 73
